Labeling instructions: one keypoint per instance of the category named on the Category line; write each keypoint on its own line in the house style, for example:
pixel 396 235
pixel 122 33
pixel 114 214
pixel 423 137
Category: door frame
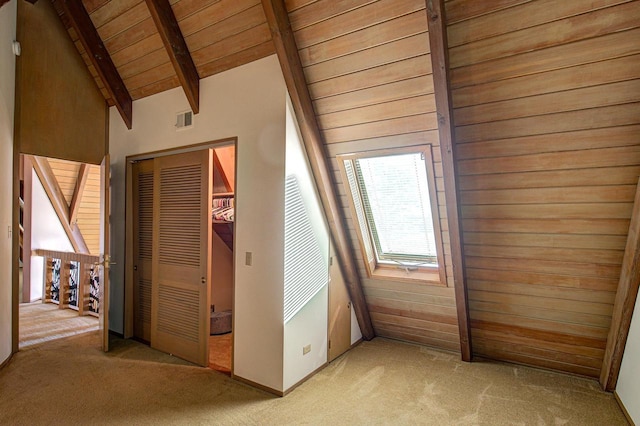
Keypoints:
pixel 15 257
pixel 128 279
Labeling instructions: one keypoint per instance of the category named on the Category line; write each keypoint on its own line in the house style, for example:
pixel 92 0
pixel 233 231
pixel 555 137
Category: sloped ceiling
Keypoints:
pixel 537 197
pixel 368 70
pixel 220 34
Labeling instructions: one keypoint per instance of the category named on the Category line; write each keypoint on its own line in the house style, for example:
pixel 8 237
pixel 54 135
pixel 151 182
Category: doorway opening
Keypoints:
pixel 180 231
pixel 59 241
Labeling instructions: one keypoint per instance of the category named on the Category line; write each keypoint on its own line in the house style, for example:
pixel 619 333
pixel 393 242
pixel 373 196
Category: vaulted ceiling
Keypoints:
pixel 364 79
pixel 545 99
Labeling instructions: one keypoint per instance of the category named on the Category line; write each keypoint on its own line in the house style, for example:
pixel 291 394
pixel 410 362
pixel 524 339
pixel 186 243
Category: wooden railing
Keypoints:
pixel 71 281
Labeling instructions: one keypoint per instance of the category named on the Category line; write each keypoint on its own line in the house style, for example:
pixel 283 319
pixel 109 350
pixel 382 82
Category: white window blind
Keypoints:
pixel 352 180
pixel 395 198
pixel 305 270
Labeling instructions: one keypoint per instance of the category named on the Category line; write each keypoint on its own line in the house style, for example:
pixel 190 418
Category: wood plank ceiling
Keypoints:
pixel 545 98
pixel 84 196
pixel 220 35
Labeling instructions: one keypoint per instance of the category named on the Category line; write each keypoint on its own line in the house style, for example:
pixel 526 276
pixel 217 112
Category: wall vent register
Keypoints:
pixel 184 120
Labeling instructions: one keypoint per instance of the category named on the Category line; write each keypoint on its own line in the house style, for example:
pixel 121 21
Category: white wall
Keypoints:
pixel 247 102
pixel 356 333
pixel 7 94
pixel 309 325
pixel 46 233
pixel 221 275
pixel 628 387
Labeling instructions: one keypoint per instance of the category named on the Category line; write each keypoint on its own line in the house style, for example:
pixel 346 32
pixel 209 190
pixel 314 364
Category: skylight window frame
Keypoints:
pixel 428 274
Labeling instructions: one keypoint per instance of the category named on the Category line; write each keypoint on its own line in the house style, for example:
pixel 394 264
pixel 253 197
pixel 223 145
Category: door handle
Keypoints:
pixel 106 262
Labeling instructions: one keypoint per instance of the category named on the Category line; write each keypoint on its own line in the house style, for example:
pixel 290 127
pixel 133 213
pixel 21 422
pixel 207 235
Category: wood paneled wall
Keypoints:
pixel 368 69
pixel 89 211
pixel 66 173
pixel 546 100
pixel 88 219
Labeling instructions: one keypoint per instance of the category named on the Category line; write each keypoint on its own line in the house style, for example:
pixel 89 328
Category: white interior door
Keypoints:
pixel 181 270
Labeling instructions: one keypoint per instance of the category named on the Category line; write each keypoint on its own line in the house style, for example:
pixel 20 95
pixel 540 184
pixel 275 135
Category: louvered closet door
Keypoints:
pixel 181 255
pixel 142 247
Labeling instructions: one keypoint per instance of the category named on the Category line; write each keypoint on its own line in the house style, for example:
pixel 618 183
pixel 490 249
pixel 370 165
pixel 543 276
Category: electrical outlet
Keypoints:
pixel 306 349
pixel 248 258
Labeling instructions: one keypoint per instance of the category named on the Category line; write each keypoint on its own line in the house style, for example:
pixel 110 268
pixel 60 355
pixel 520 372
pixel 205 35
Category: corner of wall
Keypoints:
pixel 7 104
pixel 306 333
pixel 628 387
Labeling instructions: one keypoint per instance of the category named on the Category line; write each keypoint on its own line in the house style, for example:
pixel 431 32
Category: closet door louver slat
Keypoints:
pixel 142 247
pixel 181 255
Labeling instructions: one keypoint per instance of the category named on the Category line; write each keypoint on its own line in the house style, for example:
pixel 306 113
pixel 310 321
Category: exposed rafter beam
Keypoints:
pixel 440 62
pixel 177 49
pixel 625 302
pixel 99 57
pixel 278 20
pixel 52 188
pixel 81 181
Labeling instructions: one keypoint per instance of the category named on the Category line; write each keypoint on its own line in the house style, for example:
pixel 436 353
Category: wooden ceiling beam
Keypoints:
pixel 287 51
pixel 52 188
pixel 100 58
pixel 177 49
pixel 81 181
pixel 440 63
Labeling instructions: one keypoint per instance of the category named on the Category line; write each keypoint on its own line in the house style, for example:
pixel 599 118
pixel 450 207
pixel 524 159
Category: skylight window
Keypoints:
pixel 392 195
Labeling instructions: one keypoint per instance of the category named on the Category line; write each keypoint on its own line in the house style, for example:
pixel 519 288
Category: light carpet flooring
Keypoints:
pixel 70 381
pixel 41 322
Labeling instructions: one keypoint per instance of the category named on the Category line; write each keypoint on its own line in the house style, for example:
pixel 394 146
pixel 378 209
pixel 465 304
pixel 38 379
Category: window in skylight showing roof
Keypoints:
pixel 397 207
pixel 393 201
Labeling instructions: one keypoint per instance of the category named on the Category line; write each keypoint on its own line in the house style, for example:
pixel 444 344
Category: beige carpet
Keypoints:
pixel 41 322
pixel 70 381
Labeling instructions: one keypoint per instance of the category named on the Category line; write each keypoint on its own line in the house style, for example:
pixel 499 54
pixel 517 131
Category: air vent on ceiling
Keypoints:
pixel 184 120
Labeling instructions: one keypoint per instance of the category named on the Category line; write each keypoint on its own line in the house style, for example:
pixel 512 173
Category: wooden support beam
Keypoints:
pixel 81 181
pixel 625 302
pixel 52 188
pixel 287 51
pixel 177 49
pixel 99 57
pixel 440 62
